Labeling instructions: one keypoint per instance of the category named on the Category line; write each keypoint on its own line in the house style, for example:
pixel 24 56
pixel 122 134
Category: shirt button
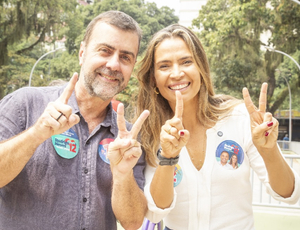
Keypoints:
pixel 86 171
pixel 84 199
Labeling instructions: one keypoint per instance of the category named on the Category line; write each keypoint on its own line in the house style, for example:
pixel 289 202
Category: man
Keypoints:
pixel 286 138
pixel 224 157
pixel 67 160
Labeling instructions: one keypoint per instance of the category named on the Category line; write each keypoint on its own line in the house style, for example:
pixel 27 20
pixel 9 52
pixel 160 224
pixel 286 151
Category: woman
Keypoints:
pixel 187 130
pixel 234 161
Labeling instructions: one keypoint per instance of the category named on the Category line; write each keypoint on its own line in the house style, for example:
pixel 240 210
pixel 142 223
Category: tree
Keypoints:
pixel 231 31
pixel 29 22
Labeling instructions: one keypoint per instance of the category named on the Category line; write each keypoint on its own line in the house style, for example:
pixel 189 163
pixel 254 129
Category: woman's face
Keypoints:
pixel 176 69
pixel 234 159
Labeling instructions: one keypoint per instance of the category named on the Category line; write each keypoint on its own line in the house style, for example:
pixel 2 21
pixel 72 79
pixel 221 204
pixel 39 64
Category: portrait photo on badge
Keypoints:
pixel 229 155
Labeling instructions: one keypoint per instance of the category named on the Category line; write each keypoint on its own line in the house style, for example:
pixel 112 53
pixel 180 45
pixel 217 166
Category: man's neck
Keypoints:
pixel 93 109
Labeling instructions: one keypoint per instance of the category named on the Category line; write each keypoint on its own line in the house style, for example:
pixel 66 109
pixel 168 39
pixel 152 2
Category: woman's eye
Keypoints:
pixel 187 62
pixel 163 66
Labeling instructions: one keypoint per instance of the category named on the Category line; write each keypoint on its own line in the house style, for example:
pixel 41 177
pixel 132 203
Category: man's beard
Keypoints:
pixel 102 89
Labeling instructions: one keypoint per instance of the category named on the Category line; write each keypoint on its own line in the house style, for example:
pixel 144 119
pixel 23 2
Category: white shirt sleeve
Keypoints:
pixel 259 167
pixel 155 214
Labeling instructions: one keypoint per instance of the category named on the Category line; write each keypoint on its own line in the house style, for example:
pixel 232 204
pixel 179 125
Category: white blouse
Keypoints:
pixel 216 197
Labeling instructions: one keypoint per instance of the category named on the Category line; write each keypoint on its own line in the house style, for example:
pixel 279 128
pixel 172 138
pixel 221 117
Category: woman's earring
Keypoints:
pixel 156 90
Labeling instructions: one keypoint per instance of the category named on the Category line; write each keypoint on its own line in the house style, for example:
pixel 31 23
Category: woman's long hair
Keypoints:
pixel 211 107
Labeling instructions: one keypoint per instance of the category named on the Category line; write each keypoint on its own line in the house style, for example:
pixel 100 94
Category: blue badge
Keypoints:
pixel 177 175
pixel 230 153
pixel 66 144
pixel 103 149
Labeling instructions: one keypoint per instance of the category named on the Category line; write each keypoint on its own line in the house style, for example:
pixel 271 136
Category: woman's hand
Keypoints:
pixel 173 136
pixel 264 126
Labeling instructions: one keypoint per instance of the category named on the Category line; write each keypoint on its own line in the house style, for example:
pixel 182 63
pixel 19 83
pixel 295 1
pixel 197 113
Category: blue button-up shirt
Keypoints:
pixel 53 192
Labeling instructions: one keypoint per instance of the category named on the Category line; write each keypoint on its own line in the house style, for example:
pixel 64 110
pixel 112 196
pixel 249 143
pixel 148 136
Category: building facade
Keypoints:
pixel 189 10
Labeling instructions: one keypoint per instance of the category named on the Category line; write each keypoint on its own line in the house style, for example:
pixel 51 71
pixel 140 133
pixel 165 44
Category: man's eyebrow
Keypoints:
pixel 113 48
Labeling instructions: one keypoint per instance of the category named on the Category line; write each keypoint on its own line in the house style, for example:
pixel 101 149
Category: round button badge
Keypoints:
pixel 229 154
pixel 66 144
pixel 178 174
pixel 103 149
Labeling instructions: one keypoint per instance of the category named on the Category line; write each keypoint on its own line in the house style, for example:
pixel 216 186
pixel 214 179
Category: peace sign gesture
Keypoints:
pixel 125 150
pixel 173 136
pixel 264 126
pixel 57 117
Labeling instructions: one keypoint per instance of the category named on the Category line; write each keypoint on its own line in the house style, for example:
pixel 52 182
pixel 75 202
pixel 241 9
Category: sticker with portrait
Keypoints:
pixel 229 155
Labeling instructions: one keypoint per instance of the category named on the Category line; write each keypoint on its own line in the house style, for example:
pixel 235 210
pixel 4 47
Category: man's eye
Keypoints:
pixel 103 50
pixel 126 58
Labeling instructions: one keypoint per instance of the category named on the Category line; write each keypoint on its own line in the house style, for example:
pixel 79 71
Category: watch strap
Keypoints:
pixel 166 161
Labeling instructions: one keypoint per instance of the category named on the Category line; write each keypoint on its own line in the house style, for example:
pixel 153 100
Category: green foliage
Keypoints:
pixel 231 32
pixel 24 26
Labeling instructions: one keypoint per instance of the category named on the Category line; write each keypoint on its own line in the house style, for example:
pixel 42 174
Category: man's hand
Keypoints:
pixel 125 150
pixel 57 116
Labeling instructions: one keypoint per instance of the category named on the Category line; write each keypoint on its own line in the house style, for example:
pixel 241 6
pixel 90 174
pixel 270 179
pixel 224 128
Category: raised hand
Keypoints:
pixel 173 136
pixel 264 126
pixel 57 117
pixel 125 150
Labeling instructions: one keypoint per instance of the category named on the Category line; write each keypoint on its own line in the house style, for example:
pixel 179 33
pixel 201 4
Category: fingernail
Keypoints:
pixel 181 133
pixel 267 134
pixel 269 124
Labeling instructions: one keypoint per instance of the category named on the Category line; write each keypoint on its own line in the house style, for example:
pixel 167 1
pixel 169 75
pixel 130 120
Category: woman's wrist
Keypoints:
pixel 166 161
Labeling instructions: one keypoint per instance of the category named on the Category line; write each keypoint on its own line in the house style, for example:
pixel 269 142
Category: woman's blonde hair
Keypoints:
pixel 211 107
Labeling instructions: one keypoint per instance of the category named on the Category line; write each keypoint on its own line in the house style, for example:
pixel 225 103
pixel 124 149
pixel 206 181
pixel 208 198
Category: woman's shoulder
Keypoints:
pixel 240 109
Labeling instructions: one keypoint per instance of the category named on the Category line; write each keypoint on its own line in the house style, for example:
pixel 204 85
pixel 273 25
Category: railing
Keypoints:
pixel 290 145
pixel 260 196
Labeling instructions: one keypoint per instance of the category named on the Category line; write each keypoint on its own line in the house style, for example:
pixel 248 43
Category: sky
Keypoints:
pixel 173 4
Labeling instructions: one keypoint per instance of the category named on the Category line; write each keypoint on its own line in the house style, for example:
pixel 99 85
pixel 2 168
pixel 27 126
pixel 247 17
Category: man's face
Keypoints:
pixel 107 60
pixel 224 158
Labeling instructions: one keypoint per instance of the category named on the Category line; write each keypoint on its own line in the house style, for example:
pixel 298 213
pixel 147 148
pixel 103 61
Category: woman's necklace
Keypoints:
pixel 196 149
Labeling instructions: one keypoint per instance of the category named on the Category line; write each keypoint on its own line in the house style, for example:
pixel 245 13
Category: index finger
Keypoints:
pixel 263 97
pixel 138 124
pixel 120 118
pixel 179 105
pixel 66 94
pixel 248 102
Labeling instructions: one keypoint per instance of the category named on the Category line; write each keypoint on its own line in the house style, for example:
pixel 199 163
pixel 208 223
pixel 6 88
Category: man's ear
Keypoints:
pixel 81 53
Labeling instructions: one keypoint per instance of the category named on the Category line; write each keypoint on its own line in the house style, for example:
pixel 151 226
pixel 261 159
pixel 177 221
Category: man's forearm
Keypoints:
pixel 128 201
pixel 15 153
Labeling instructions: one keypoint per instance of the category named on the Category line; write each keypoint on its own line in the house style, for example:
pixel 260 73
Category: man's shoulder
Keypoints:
pixel 35 92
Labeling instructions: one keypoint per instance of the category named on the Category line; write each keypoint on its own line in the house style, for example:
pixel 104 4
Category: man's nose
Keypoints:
pixel 113 63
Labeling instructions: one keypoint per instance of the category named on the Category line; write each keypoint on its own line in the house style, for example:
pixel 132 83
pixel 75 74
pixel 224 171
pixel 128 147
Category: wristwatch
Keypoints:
pixel 166 161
